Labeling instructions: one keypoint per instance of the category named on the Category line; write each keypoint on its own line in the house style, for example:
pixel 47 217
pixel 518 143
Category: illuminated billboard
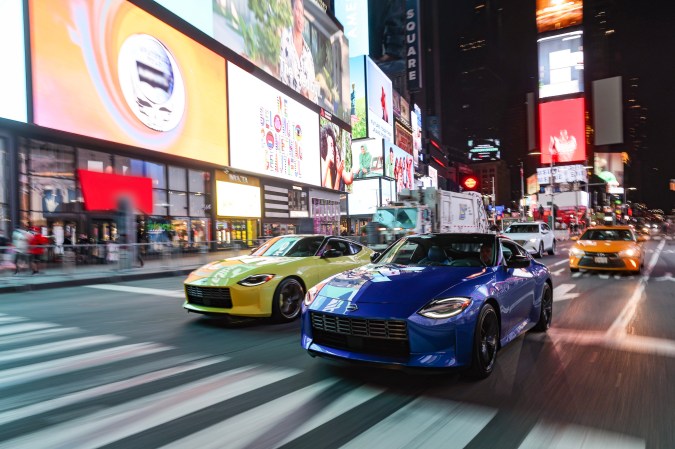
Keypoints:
pixel 128 78
pixel 403 138
pixel 609 168
pixel 562 131
pixel 555 14
pixel 270 133
pixel 399 165
pixel 367 158
pixel 484 149
pixel 237 200
pixel 294 41
pixel 335 146
pixel 357 77
pixel 353 15
pixel 561 64
pixel 380 102
pixel 12 54
pixel 416 122
pixel 365 197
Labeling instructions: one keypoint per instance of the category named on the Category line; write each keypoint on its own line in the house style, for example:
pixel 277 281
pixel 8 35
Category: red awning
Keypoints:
pixel 103 191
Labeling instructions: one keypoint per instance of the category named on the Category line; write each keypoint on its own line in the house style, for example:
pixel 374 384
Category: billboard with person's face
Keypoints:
pixel 108 69
pixel 367 158
pixel 335 144
pixel 399 165
pixel 562 131
pixel 270 133
pixel 293 40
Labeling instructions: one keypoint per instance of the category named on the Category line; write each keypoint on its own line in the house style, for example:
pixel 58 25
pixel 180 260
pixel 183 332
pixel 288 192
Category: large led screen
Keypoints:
pixel 107 69
pixel 296 42
pixel 557 14
pixel 353 14
pixel 399 165
pixel 367 158
pixel 357 76
pixel 609 168
pixel 484 149
pixel 416 122
pixel 270 133
pixel 561 64
pixel 380 102
pixel 336 156
pixel 12 54
pixel 562 131
pixel 237 200
pixel 365 197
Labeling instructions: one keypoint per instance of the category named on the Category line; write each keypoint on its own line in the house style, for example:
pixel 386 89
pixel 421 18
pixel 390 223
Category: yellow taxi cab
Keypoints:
pixel 615 248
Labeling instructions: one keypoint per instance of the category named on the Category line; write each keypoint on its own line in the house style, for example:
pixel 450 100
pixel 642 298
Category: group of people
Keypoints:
pixel 402 170
pixel 28 249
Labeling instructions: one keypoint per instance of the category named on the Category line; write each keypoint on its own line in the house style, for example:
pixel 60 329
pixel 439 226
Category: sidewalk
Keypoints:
pixel 69 276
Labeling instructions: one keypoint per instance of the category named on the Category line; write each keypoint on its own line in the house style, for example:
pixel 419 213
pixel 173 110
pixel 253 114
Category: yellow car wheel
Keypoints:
pixel 287 300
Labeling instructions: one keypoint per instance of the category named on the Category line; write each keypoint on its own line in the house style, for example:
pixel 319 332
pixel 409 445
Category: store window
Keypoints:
pixel 177 179
pixel 4 182
pixel 197 181
pixel 178 203
pixel 94 161
pixel 159 202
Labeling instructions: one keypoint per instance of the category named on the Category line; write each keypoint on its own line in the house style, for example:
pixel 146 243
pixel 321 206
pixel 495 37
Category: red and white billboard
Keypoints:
pixel 562 131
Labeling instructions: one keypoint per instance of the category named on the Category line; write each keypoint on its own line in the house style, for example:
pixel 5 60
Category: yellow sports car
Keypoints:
pixel 607 248
pixel 272 281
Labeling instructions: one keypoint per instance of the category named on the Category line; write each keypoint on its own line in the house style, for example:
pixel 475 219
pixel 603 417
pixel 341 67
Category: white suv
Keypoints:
pixel 534 237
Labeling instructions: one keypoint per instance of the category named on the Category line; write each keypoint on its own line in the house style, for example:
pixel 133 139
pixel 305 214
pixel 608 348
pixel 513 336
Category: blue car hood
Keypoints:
pixel 396 284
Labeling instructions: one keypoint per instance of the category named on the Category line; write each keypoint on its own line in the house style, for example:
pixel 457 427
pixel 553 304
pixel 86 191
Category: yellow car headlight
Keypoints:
pixel 630 252
pixel 576 252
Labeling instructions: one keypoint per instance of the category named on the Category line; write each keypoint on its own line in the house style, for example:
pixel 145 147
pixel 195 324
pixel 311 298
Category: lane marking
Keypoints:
pixel 21 328
pixel 38 335
pixel 562 292
pixel 426 423
pixel 560 436
pixel 560 262
pixel 27 352
pixel 91 393
pixel 557 272
pixel 28 373
pixel 139 290
pixel 124 420
pixel 666 277
pixel 577 274
pixel 11 319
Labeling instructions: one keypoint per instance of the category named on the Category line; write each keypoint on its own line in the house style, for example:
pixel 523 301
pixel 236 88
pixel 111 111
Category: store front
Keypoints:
pixel 286 209
pixel 325 211
pixel 238 210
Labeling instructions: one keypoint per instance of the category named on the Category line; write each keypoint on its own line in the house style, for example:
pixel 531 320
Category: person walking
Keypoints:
pixel 20 243
pixel 37 243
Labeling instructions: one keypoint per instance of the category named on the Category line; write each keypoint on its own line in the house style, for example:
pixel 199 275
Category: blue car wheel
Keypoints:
pixel 546 312
pixel 486 342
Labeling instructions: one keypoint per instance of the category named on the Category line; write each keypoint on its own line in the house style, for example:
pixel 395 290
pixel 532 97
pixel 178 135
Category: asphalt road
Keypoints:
pixel 123 366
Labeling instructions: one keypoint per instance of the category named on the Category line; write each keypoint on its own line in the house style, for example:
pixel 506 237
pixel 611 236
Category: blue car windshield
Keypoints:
pixel 290 246
pixel 450 250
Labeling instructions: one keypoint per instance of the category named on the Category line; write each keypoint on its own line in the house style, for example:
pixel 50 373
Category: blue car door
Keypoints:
pixel 516 289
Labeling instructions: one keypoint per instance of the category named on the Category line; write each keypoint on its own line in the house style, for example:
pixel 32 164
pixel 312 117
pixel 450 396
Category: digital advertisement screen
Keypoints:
pixel 484 149
pixel 555 14
pixel 562 131
pixel 609 167
pixel 336 156
pixel 303 48
pixel 237 200
pixel 416 122
pixel 271 133
pixel 357 76
pixel 13 105
pixel 399 165
pixel 380 102
pixel 353 15
pixel 133 79
pixel 562 173
pixel 367 157
pixel 365 197
pixel 403 138
pixel 561 64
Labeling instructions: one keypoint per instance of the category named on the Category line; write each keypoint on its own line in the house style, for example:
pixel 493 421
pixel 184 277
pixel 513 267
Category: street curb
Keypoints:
pixel 104 279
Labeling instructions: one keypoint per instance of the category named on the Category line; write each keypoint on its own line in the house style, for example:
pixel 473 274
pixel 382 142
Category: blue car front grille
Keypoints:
pixel 209 296
pixel 384 337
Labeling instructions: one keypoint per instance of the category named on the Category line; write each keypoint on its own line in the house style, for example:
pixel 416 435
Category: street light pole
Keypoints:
pixel 522 191
pixel 552 195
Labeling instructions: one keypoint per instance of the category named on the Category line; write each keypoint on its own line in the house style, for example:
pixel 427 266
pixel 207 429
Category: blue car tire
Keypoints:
pixel 546 311
pixel 485 343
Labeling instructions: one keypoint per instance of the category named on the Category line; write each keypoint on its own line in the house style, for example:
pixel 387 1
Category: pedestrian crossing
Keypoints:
pixel 61 387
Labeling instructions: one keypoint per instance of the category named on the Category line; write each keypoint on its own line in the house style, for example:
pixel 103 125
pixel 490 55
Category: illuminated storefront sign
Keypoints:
pixel 237 200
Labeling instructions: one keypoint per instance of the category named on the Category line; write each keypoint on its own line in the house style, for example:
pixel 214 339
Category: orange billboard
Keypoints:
pixel 556 14
pixel 109 70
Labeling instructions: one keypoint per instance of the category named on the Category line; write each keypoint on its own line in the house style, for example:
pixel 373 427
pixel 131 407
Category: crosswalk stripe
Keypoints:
pixel 426 423
pixel 139 290
pixel 27 352
pixel 570 436
pixel 28 373
pixel 116 423
pixel 91 393
pixel 27 337
pixel 11 319
pixel 19 328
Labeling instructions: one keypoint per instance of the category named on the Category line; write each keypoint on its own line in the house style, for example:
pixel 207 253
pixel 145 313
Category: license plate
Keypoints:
pixel 600 260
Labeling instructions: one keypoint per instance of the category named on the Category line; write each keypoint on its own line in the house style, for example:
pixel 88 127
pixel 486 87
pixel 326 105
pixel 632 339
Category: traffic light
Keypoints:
pixel 470 183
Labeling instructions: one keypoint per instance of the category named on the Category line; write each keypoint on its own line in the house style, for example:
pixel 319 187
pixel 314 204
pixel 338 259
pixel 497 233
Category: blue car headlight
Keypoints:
pixel 445 308
pixel 255 280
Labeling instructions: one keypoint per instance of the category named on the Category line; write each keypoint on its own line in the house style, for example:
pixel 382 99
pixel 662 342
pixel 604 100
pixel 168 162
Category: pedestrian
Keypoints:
pixel 37 244
pixel 20 243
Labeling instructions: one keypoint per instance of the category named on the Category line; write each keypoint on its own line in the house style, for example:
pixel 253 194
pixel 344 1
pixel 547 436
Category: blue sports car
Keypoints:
pixel 432 300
